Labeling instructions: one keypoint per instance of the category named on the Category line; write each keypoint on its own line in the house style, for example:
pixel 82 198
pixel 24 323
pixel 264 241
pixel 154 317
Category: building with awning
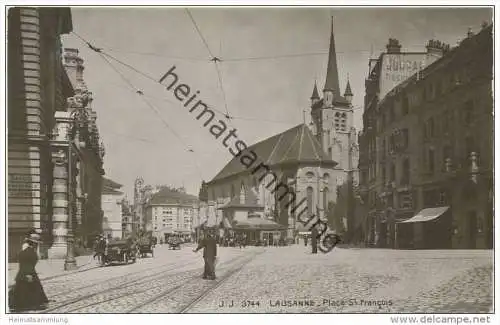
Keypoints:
pixel 244 215
pixel 292 175
pixel 431 228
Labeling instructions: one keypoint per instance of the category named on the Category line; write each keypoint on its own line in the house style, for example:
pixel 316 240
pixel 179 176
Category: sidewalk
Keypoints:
pixel 53 268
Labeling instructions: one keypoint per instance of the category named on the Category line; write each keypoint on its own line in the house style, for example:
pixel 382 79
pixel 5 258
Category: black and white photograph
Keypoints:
pixel 250 160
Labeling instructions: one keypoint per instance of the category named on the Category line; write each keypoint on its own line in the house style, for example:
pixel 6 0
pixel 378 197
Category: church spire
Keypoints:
pixel 348 92
pixel 315 94
pixel 332 74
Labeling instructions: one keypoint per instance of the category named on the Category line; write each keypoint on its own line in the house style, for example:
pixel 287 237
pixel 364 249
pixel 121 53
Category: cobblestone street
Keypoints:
pixel 283 279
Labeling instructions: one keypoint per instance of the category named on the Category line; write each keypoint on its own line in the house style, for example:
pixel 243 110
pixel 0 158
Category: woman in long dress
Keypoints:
pixel 27 293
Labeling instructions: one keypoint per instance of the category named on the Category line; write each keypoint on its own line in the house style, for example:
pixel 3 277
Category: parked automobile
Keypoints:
pixel 118 251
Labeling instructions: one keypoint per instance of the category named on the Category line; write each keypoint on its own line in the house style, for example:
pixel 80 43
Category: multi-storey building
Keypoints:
pixel 53 141
pixel 376 172
pixel 172 211
pixel 430 139
pixel 127 218
pixel 112 199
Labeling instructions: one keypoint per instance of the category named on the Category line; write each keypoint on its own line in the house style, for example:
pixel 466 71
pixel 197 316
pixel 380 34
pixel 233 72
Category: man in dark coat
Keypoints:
pixel 314 240
pixel 209 245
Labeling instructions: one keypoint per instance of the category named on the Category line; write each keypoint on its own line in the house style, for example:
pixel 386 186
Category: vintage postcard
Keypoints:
pixel 326 160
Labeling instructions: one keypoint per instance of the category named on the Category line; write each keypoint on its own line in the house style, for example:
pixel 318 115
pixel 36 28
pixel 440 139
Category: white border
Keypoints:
pixel 342 319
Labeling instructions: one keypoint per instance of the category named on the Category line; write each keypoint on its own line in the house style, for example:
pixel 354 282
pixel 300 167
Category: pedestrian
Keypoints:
pixel 209 245
pixel 27 293
pixel 305 240
pixel 314 240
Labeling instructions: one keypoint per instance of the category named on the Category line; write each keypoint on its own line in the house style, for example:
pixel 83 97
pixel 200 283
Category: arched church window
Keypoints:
pixel 310 175
pixel 326 191
pixel 310 200
pixel 343 120
pixel 337 120
pixel 326 177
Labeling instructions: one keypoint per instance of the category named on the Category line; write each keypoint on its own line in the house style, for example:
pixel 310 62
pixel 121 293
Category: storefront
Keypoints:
pixel 260 231
pixel 431 228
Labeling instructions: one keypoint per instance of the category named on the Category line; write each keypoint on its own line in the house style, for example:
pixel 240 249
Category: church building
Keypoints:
pixel 332 121
pixel 308 162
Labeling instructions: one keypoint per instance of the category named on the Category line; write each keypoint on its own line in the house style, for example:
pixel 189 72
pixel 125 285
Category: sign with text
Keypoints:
pixel 397 68
pixel 22 186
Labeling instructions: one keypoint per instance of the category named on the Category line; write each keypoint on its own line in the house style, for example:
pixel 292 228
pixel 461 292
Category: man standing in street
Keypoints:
pixel 314 240
pixel 209 245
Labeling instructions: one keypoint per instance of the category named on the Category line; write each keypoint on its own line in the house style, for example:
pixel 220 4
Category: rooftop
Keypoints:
pixel 171 196
pixel 293 146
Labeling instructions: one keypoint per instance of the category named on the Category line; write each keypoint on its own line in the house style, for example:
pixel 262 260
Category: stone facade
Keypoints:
pixel 82 140
pixel 40 127
pixel 429 143
pixel 37 89
pixel 112 207
pixel 299 180
pixel 332 120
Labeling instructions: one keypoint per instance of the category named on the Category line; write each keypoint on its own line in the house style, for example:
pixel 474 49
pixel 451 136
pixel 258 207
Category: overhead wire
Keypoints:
pixel 240 59
pixel 100 51
pixel 141 93
pixel 221 112
pixel 199 33
pixel 151 106
pixel 214 59
pixel 158 55
pixel 145 75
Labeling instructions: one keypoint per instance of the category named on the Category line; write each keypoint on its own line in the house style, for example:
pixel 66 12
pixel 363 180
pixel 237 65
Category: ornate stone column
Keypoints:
pixel 60 191
pixel 59 205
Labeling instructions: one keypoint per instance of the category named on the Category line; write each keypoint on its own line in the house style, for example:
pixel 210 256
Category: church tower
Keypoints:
pixel 332 117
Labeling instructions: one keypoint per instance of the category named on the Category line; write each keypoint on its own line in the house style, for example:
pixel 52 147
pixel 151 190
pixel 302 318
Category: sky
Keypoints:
pixel 271 58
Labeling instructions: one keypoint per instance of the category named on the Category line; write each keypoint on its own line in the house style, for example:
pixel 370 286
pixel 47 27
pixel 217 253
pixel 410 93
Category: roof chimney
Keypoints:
pixel 437 47
pixel 393 46
pixel 470 33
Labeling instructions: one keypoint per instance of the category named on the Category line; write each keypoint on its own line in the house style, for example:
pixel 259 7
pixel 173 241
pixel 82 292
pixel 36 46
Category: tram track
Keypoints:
pixel 99 283
pixel 122 285
pixel 186 307
pixel 205 293
pixel 161 275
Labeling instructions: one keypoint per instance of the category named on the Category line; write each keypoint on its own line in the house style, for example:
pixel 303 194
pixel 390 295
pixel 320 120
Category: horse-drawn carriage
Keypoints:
pixel 120 251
